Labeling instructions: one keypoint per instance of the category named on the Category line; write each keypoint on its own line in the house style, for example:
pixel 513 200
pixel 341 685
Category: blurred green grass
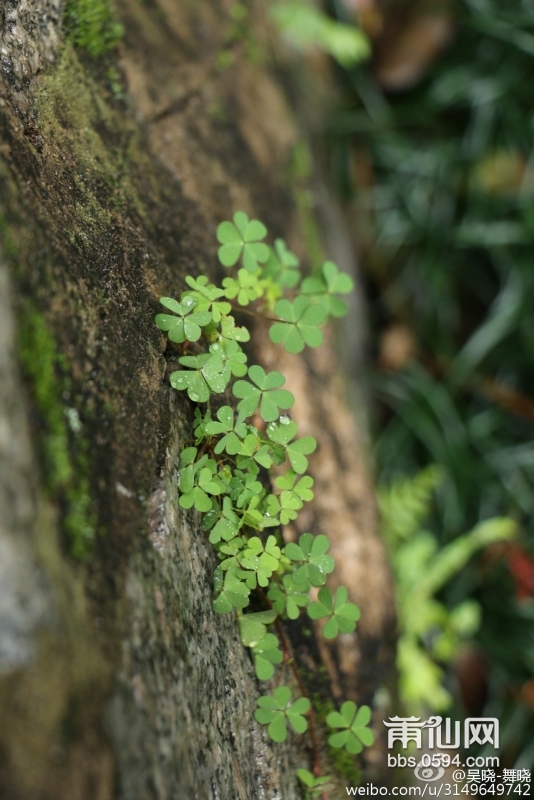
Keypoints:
pixel 438 179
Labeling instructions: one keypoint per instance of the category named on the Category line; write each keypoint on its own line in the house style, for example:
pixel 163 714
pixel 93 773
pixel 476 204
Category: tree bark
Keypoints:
pixel 117 680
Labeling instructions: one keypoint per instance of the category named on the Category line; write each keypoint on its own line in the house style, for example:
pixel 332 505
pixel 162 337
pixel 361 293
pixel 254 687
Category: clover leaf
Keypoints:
pixel 315 563
pixel 196 483
pixel 206 376
pixel 232 440
pixel 287 597
pixel 273 711
pixel 252 447
pixel 187 325
pixel 232 591
pixel 282 266
pixel 293 495
pixel 244 487
pixel 285 508
pixel 252 627
pixel 228 525
pixel 299 326
pixel 246 287
pixel 201 420
pixel 202 288
pixel 234 359
pixel 242 236
pixel 324 287
pixel 208 297
pixel 230 331
pixel 355 733
pixel 261 559
pixel 269 554
pixel 266 654
pixel 314 785
pixel 282 433
pixel 264 393
pixel 342 614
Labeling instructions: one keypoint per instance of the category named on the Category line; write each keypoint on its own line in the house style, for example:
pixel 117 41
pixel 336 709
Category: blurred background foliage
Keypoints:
pixel 431 147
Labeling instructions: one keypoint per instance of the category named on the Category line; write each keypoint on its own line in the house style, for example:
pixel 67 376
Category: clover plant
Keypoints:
pixel 225 473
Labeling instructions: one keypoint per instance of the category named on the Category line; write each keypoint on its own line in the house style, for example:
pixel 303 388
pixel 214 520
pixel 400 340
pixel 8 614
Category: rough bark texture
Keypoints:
pixel 117 680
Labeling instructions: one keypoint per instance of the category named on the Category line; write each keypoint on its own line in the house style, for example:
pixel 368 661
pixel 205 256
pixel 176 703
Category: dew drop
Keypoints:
pixel 284 419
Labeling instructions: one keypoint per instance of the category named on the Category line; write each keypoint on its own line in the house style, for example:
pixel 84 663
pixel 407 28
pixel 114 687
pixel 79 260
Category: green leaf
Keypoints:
pixel 274 710
pixel 202 289
pixel 228 524
pixel 288 598
pixel 193 382
pixel 314 785
pixel 266 655
pixel 231 332
pixel 261 559
pixel 187 324
pixel 234 595
pixel 242 237
pixel 300 325
pixel 252 627
pixel 282 266
pixel 234 359
pixel 302 489
pixel 198 480
pixel 324 287
pixel 264 393
pixel 282 434
pixel 353 721
pixel 206 376
pixel 246 287
pixel 309 28
pixel 311 554
pixel 342 615
pixel 232 441
pixel 208 297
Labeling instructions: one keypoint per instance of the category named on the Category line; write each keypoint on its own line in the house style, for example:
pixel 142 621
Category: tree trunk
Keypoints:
pixel 117 680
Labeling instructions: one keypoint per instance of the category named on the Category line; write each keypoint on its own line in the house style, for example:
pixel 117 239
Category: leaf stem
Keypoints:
pixel 317 769
pixel 257 314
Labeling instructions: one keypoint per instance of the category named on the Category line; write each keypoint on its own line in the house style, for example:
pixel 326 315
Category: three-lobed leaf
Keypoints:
pixel 265 392
pixel 266 655
pixel 315 785
pixel 242 237
pixel 233 434
pixel 342 615
pixel 299 325
pixel 323 288
pixel 206 375
pixel 187 324
pixel 275 710
pixel 282 266
pixel 310 553
pixel 245 288
pixel 232 592
pixel 288 597
pixel 354 733
pixel 282 434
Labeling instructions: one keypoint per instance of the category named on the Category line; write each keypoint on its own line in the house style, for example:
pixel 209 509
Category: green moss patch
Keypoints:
pixel 63 449
pixel 93 26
